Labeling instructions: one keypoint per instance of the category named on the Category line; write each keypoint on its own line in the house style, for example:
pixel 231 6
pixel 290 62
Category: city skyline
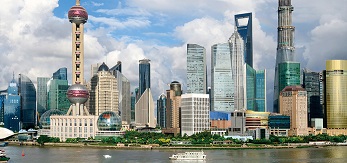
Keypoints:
pixel 131 30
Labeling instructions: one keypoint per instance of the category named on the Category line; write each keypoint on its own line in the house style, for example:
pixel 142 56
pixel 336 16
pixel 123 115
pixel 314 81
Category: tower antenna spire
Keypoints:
pixel 78 3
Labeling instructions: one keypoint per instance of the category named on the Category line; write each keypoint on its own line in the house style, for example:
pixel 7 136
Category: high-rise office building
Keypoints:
pixel 60 74
pixel 243 23
pixel 285 44
pixel 144 110
pixel 312 86
pixel 335 94
pixel 27 92
pixel 173 104
pixel 132 106
pixel 103 92
pixel 196 69
pixel 222 86
pixel 195 114
pixel 41 95
pixel 260 91
pixel 256 89
pixel 56 96
pixel 3 94
pixel 161 111
pixel 144 75
pixel 238 68
pixel 124 96
pixel 289 74
pixel 293 103
pixel 12 107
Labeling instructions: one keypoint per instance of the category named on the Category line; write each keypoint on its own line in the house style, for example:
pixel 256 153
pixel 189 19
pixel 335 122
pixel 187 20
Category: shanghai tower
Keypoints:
pixel 285 44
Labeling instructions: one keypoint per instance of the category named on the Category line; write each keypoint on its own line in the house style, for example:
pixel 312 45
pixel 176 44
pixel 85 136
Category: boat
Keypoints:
pixel 107 156
pixel 189 156
pixel 3 157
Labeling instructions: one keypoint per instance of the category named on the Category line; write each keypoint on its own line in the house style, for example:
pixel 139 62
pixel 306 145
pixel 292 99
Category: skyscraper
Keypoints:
pixel 312 86
pixel 27 92
pixel 124 97
pixel 161 111
pixel 144 75
pixel 173 104
pixel 260 91
pixel 238 68
pixel 103 92
pixel 222 91
pixel 285 43
pixel 56 96
pixel 243 23
pixel 335 90
pixel 196 69
pixel 41 96
pixel 12 108
pixel 289 74
pixel 144 110
pixel 60 74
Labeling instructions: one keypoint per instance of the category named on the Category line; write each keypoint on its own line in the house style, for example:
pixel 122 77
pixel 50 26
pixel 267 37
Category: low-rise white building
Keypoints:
pixel 195 113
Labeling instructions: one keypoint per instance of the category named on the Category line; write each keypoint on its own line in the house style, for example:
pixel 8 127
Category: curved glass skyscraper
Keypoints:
pixel 27 92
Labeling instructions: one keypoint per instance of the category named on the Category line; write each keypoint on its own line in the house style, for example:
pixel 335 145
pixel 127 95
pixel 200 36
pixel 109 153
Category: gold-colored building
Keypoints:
pixel 335 94
pixel 293 103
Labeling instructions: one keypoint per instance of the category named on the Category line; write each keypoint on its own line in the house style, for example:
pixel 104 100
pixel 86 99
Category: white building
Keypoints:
pixel 144 110
pixel 195 113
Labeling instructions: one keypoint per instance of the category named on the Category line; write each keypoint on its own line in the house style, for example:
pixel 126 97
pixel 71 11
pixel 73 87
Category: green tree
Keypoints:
pixel 43 139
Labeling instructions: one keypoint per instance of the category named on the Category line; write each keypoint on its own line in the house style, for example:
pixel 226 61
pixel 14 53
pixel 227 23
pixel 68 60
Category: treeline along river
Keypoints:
pixel 35 154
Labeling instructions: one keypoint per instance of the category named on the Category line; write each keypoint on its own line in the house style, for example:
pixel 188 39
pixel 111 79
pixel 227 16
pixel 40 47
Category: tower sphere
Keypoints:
pixel 77 14
pixel 77 93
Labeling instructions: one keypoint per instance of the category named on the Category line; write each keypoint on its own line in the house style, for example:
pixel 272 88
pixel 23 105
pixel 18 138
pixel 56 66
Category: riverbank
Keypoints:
pixel 155 146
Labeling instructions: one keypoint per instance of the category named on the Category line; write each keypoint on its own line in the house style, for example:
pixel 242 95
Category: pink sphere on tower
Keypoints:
pixel 78 15
pixel 77 93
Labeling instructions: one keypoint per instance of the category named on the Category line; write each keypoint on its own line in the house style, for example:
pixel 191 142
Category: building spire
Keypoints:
pixel 13 75
pixel 78 3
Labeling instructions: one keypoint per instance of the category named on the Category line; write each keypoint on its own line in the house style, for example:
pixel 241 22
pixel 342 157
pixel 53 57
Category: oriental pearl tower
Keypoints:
pixel 77 93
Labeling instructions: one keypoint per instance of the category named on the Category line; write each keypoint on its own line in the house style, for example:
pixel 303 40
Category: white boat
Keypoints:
pixel 107 156
pixel 189 156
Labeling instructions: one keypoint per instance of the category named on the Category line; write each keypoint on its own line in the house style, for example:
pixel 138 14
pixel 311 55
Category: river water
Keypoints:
pixel 34 154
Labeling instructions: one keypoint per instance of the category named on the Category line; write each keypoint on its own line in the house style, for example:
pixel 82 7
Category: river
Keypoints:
pixel 34 154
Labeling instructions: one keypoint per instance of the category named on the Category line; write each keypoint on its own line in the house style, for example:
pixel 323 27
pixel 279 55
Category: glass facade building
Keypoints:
pixel 2 100
pixel 243 23
pixel 161 111
pixel 250 87
pixel 56 98
pixel 335 94
pixel 12 108
pixel 41 95
pixel 196 69
pixel 260 91
pixel 311 83
pixel 132 106
pixel 222 87
pixel 144 75
pixel 124 97
pixel 279 121
pixel 27 92
pixel 60 74
pixel 289 74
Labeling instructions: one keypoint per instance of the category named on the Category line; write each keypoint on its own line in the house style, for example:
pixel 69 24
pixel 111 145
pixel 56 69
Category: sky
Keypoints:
pixel 35 35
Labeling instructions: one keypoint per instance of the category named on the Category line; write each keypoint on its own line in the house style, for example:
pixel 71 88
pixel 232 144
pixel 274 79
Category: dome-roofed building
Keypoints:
pixel 109 121
pixel 45 117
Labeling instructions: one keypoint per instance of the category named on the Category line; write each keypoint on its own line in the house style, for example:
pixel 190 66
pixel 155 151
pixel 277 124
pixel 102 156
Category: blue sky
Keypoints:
pixel 35 35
